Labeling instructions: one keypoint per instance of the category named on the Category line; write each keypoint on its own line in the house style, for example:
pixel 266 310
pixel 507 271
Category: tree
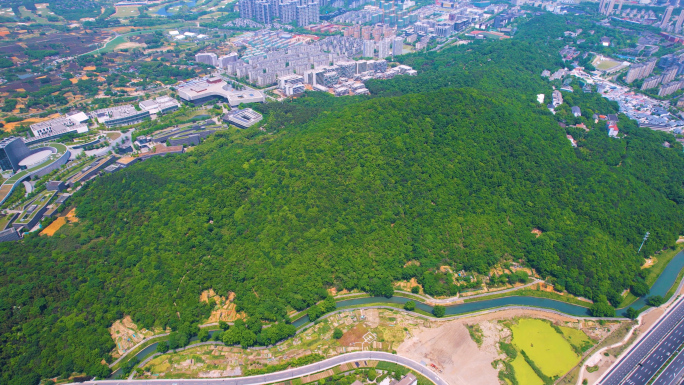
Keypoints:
pixel 522 276
pixel 173 341
pixel 415 290
pixel 247 338
pixel 381 287
pixel 224 325
pixel 602 308
pixel 639 288
pixel 631 313
pixel 203 335
pixel 163 347
pixel 328 304
pixel 337 334
pixel 314 312
pixel 372 375
pixel 438 311
pixel 410 306
pixel 655 300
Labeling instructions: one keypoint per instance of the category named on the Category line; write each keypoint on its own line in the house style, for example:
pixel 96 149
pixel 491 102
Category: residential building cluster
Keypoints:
pixel 667 21
pixel 396 15
pixel 303 12
pixel 341 79
pixel 265 69
pixel 640 70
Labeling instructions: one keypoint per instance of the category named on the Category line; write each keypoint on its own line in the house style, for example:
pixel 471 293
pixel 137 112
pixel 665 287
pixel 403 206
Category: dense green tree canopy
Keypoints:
pixel 453 167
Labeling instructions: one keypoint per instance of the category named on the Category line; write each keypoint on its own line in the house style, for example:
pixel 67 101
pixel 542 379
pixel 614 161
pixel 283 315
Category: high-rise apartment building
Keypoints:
pixel 366 32
pixel 384 48
pixel 397 46
pixel 680 20
pixel 356 31
pixel 263 12
pixel 246 9
pixel 225 60
pixel 666 17
pixel 304 12
pixel 377 34
pixel 640 70
pixel 287 11
pixel 207 58
pixel 651 82
pixel 669 74
pixel 368 48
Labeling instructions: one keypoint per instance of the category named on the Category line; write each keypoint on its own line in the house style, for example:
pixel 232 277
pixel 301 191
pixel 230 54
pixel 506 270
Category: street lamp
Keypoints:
pixel 644 241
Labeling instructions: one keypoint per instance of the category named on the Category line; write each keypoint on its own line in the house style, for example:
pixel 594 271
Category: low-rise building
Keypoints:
pixel 612 129
pixel 200 91
pixel 244 118
pixel 160 105
pixel 120 116
pixel 55 185
pixel 557 98
pixel 12 151
pixel 73 122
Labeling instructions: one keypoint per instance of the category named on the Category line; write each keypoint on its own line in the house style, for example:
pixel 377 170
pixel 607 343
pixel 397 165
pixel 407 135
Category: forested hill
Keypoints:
pixel 447 175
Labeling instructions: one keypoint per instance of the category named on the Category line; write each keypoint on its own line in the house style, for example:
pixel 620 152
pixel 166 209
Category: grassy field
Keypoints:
pixel 606 64
pixel 4 221
pixel 577 338
pixel 663 259
pixel 524 373
pixel 126 12
pixel 545 347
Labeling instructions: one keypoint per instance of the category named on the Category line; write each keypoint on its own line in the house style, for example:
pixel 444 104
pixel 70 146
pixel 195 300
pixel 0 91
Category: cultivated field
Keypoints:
pixel 524 373
pixel 547 348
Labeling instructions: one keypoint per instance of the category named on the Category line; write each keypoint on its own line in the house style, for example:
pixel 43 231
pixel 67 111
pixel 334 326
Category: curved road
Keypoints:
pixel 289 373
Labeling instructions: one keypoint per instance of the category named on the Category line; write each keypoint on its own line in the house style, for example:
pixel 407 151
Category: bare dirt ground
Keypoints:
pixel 225 308
pixel 649 262
pixel 451 349
pixel 126 334
pixel 130 45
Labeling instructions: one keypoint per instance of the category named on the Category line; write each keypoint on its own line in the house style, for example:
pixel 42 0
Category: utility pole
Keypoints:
pixel 644 241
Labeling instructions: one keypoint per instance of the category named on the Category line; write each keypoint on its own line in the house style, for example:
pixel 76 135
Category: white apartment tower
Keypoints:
pixel 207 58
pixel 368 48
pixel 398 46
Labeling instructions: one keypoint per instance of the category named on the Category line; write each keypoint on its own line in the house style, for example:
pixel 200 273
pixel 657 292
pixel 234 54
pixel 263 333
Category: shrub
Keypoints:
pixel 439 311
pixel 655 300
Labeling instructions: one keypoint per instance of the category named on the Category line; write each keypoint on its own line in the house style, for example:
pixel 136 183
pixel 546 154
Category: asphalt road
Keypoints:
pixel 674 374
pixel 655 360
pixel 289 373
pixel 644 359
